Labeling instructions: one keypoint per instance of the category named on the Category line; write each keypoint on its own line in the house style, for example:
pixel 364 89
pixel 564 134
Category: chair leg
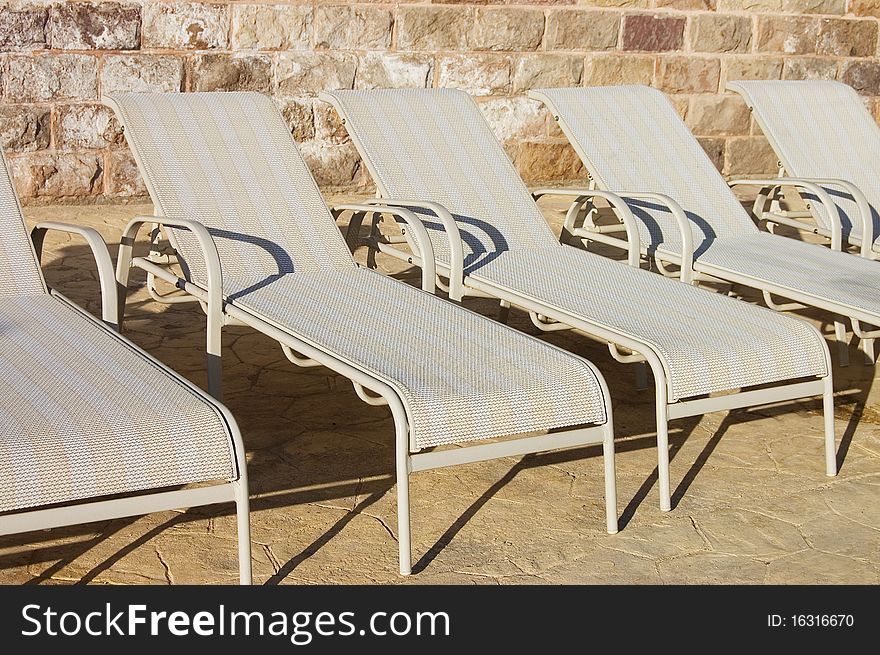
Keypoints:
pixel 842 345
pixel 214 350
pixel 663 447
pixel 243 515
pixel 610 479
pixel 828 413
pixel 404 535
pixel 867 347
pixel 503 312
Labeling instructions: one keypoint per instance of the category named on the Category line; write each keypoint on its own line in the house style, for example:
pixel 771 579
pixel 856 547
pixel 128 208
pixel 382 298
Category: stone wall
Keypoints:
pixel 57 58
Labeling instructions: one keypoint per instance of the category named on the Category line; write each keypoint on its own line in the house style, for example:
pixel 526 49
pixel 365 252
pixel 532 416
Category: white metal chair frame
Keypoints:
pixel 142 503
pixel 696 272
pixel 548 318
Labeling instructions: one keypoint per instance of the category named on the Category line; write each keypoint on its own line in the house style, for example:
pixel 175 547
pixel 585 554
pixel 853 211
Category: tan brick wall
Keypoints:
pixel 57 58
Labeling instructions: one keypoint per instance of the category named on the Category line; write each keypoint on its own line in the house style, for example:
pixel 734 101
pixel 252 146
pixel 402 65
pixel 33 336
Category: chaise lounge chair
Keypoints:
pixel 258 246
pixel 632 141
pixel 823 134
pixel 433 152
pixel 91 427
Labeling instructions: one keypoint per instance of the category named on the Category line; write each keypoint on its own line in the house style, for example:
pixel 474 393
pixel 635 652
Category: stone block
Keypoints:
pixel 271 27
pixel 329 127
pixel 333 165
pixel 714 148
pixel 352 27
pixel 515 118
pixel 24 128
pixel 539 161
pixel 750 68
pixel 720 33
pixel 51 77
pixel 299 118
pixel 750 155
pixel 23 27
pixel 575 29
pixel 688 75
pixel 658 33
pixel 185 25
pixel 94 26
pixel 718 115
pixel 863 76
pixel 509 29
pixel 80 127
pixel 792 35
pixel 393 70
pixel 809 68
pixel 479 75
pixel 847 38
pixel 159 73
pixel 60 175
pixel 611 69
pixel 537 71
pixel 123 177
pixel 307 73
pixel 221 72
pixel 433 27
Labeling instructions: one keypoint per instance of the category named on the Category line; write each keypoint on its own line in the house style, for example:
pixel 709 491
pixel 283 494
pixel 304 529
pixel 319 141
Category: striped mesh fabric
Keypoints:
pixel 706 342
pixel 461 376
pixel 410 137
pixel 630 138
pixel 235 167
pixel 821 129
pixel 85 414
pixel 205 157
pixel 19 271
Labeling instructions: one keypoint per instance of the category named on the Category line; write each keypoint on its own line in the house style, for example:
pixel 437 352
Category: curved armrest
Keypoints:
pixel 684 228
pixel 209 253
pixel 420 235
pixel 456 249
pixel 811 187
pixel 109 302
pixel 624 213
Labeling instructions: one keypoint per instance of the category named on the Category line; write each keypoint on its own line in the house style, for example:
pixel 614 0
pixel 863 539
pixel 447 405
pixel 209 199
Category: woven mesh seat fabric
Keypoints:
pixel 821 129
pixel 706 341
pixel 412 135
pixel 85 414
pixel 680 322
pixel 262 215
pixel 631 139
pixel 19 270
pixel 846 281
pixel 461 376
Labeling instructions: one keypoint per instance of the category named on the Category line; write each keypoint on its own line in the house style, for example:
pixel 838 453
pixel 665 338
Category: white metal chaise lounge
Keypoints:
pixel 91 427
pixel 433 152
pixel 258 246
pixel 823 134
pixel 633 142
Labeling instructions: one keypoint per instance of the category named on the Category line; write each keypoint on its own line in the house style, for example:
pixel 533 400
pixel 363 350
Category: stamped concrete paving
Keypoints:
pixel 752 503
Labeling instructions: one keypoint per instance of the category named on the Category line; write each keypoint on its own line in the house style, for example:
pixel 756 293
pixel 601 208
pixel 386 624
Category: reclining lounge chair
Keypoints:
pixel 91 427
pixel 257 245
pixel 823 134
pixel 633 142
pixel 433 152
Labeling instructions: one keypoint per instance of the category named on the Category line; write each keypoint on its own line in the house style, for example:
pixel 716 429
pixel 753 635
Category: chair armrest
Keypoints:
pixel 419 233
pixel 811 187
pixel 623 211
pixel 109 302
pixel 684 228
pixel 456 248
pixel 209 253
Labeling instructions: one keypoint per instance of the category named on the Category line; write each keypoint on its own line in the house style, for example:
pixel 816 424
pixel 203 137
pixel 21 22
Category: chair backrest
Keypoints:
pixel 630 138
pixel 229 161
pixel 821 129
pixel 435 144
pixel 19 270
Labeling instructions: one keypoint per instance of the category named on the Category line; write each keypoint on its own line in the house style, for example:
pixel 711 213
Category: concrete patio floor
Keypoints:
pixel 751 501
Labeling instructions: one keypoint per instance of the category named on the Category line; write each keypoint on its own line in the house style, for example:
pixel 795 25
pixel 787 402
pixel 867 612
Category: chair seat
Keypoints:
pixel 85 414
pixel 706 342
pixel 837 282
pixel 460 376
